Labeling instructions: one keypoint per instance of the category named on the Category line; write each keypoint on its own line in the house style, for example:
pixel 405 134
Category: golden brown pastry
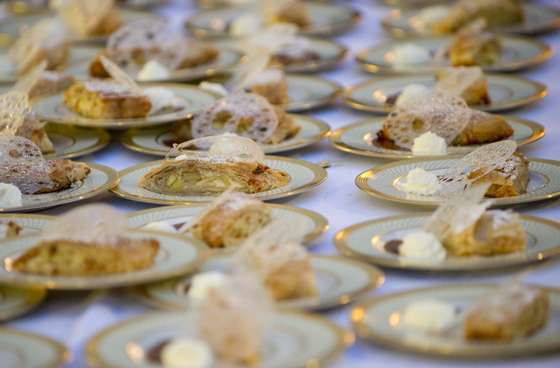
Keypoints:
pixel 467 82
pixel 510 312
pixel 90 18
pixel 497 13
pixel 495 232
pixel 230 220
pixel 509 179
pixel 50 83
pixel 99 99
pixel 294 12
pixel 474 46
pixel 272 85
pixel 79 244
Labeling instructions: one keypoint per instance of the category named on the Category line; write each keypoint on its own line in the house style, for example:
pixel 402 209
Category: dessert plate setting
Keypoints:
pixel 134 342
pixel 372 241
pixel 53 109
pixel 506 92
pixel 380 320
pixel 517 53
pixel 383 181
pixel 307 92
pixel 360 139
pixel 15 301
pixel 23 349
pixel 303 177
pixel 326 19
pixel 537 19
pixel 176 256
pixel 339 282
pixel 314 223
pixel 330 54
pixel 74 141
pixel 158 140
pixel 99 180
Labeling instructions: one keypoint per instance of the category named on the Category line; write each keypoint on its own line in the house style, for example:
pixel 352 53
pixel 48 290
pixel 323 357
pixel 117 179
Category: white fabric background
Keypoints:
pixel 73 317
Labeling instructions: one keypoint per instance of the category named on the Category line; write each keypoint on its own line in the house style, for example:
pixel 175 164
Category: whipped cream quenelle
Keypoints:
pixel 411 94
pixel 429 144
pixel 187 353
pixel 163 99
pixel 420 181
pixel 216 88
pixel 409 55
pixel 202 283
pixel 429 316
pixel 153 70
pixel 10 196
pixel 422 245
pixel 245 25
pixel 160 226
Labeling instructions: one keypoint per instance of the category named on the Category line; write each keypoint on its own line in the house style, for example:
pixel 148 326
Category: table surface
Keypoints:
pixel 72 318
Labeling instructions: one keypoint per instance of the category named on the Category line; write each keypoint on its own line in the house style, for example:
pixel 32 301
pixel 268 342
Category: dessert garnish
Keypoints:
pixel 87 18
pixel 430 316
pixel 429 144
pixel 408 55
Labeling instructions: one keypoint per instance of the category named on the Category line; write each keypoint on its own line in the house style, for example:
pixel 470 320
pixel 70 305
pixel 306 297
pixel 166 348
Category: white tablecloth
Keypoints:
pixel 71 318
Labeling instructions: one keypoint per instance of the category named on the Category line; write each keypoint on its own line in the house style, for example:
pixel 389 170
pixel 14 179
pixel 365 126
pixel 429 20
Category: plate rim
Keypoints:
pixel 51 284
pixel 340 241
pixel 34 296
pixel 376 278
pixel 538 132
pixel 403 32
pixel 124 123
pixel 361 182
pixel 101 135
pixel 541 92
pixel 327 30
pixel 63 354
pixel 321 64
pixel 344 337
pixel 112 180
pixel 126 138
pixel 335 93
pixel 358 313
pixel 370 67
pixel 320 221
pixel 320 175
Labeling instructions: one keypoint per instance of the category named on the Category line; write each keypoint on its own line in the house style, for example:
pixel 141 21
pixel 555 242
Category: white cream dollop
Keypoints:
pixel 245 25
pixel 429 144
pixel 187 353
pixel 432 14
pixel 411 94
pixel 202 283
pixel 10 196
pixel 216 88
pixel 420 181
pixel 269 76
pixel 409 54
pixel 429 315
pixel 153 70
pixel 423 245
pixel 163 99
pixel 160 226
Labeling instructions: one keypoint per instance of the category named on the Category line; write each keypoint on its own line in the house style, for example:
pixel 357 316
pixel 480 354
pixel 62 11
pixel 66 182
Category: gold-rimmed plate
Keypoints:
pixel 99 180
pixel 366 241
pixel 359 139
pixel 339 282
pixel 379 321
pixel 292 340
pixel 382 181
pixel 517 53
pixel 24 349
pixel 158 140
pixel 313 223
pixel 15 301
pixel 53 109
pixel 331 54
pixel 81 56
pixel 177 256
pixel 74 141
pixel 29 223
pixel 309 92
pixel 537 19
pixel 506 92
pixel 304 176
pixel 326 19
pixel 10 27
